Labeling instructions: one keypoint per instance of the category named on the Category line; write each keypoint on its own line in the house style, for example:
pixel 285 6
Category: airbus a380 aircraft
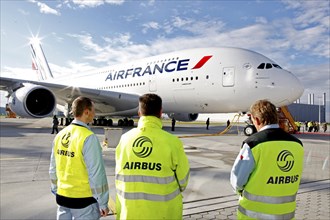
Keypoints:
pixel 203 80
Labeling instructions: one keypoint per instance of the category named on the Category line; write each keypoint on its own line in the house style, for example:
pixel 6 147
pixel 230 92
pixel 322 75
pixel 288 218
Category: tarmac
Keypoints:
pixel 25 147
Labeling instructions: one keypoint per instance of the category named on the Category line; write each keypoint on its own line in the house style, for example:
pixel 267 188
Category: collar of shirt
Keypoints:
pixel 269 126
pixel 151 121
pixel 81 123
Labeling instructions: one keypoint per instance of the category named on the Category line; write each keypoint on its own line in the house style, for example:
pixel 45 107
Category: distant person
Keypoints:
pixel 152 169
pixel 316 126
pixel 324 127
pixel 228 123
pixel 310 126
pixel 207 123
pixel 298 124
pixel 55 125
pixel 77 172
pixel 267 171
pixel 173 124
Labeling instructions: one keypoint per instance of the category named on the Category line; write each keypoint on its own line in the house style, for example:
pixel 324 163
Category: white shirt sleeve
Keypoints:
pixel 96 171
pixel 52 172
pixel 242 169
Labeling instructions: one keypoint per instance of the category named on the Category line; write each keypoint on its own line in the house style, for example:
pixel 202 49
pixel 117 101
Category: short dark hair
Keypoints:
pixel 265 111
pixel 80 104
pixel 150 105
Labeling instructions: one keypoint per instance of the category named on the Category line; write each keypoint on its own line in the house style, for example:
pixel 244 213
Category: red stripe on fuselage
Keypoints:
pixel 202 62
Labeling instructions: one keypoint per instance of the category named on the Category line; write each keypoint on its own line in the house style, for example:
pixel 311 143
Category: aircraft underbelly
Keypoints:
pixel 186 98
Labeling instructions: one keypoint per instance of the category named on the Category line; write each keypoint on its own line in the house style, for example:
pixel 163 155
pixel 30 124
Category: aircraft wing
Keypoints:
pixel 106 102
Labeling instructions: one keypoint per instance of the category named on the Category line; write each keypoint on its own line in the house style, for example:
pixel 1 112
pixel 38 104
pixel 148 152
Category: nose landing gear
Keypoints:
pixel 249 130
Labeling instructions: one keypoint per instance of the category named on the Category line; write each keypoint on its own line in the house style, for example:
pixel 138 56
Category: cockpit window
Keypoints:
pixel 277 66
pixel 261 66
pixel 269 66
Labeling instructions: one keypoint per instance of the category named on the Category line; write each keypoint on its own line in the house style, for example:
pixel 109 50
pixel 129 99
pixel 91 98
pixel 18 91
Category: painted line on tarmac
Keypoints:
pixel 222 202
pixel 18 158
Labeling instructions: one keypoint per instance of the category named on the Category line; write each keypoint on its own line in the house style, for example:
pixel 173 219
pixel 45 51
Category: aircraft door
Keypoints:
pixel 228 76
pixel 152 83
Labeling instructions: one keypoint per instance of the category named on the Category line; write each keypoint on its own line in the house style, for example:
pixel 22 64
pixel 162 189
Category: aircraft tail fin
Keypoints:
pixel 39 62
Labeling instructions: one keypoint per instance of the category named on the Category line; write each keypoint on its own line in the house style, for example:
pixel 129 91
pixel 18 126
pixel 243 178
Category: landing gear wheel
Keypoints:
pixel 249 130
pixel 130 123
pixel 120 122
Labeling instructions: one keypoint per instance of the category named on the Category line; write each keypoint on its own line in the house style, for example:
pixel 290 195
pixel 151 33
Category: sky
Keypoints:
pixel 79 35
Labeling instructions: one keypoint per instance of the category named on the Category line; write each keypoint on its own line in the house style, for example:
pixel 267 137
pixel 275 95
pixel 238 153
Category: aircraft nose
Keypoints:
pixel 297 87
pixel 292 88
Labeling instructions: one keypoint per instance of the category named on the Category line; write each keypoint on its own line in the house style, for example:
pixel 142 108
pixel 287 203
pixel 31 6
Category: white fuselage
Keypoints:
pixel 205 80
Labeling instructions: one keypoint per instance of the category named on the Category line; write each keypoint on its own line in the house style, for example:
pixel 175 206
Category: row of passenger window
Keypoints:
pixel 161 61
pixel 122 86
pixel 187 78
pixel 143 83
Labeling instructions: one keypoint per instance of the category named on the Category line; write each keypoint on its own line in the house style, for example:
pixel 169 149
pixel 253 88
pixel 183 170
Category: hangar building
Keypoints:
pixel 310 111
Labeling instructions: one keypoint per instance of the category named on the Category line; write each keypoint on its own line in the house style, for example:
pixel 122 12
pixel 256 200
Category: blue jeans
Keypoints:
pixel 90 212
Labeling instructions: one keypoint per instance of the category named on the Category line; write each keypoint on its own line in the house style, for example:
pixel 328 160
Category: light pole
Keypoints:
pixel 319 109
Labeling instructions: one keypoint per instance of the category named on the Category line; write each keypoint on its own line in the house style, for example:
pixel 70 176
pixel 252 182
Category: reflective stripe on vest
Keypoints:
pixel 148 196
pixel 184 180
pixel 101 189
pixel 269 199
pixel 145 179
pixel 259 215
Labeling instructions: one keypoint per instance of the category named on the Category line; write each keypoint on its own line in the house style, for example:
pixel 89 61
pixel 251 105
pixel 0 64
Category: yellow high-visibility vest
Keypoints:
pixel 72 175
pixel 271 190
pixel 151 172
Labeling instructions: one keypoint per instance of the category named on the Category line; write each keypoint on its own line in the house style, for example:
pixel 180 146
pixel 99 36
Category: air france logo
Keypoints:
pixel 285 160
pixel 66 140
pixel 142 147
pixel 151 69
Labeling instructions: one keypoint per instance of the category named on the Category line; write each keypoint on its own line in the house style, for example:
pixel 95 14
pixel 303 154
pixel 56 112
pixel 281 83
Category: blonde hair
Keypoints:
pixel 265 111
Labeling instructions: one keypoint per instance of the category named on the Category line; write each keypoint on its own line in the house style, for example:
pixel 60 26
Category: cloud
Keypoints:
pixel 21 73
pixel 308 31
pixel 147 3
pixel 261 20
pixel 122 40
pixel 309 12
pixel 72 68
pixel 92 3
pixel 315 76
pixel 87 42
pixel 150 25
pixel 23 12
pixel 45 9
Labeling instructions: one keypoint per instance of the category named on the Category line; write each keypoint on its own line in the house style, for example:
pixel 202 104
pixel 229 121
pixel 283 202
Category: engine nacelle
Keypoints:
pixel 32 101
pixel 184 116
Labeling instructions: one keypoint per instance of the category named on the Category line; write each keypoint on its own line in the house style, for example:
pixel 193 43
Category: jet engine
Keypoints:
pixel 184 116
pixel 32 101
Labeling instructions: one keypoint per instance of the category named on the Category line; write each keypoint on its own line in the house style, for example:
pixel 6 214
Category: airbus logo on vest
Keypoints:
pixel 65 141
pixel 285 162
pixel 142 148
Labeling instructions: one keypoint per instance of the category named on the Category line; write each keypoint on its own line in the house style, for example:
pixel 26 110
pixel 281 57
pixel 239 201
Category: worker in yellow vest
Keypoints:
pixel 151 168
pixel 267 171
pixel 77 170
